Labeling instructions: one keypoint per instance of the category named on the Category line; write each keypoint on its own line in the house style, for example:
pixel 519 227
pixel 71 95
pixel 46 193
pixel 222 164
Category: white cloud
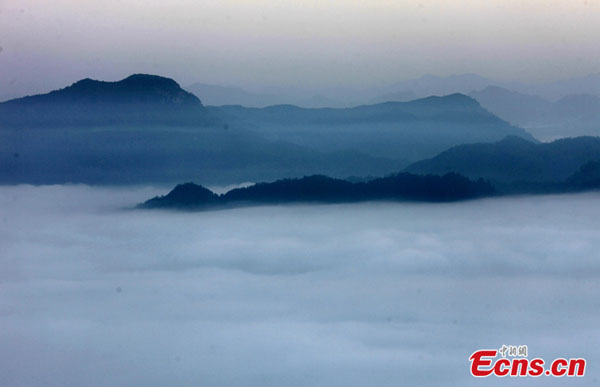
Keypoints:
pixel 94 294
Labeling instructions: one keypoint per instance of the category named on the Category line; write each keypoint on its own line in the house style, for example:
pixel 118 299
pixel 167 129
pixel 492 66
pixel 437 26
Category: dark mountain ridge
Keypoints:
pixel 398 187
pixel 139 98
pixel 514 159
pixel 323 189
pixel 135 89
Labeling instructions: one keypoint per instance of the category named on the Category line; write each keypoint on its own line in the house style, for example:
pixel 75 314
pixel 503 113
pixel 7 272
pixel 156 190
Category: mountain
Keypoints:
pixel 569 116
pixel 588 84
pixel 515 107
pixel 398 96
pixel 578 107
pixel 402 91
pixel 323 189
pixel 514 159
pixel 525 109
pixel 137 89
pixel 466 83
pixel 216 95
pixel 429 85
pixel 185 195
pixel 397 130
pixel 139 98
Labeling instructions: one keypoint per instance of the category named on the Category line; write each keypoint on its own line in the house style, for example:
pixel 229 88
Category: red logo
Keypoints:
pixel 485 362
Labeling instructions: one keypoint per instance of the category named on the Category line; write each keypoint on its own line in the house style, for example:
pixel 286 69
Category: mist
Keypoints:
pixel 94 293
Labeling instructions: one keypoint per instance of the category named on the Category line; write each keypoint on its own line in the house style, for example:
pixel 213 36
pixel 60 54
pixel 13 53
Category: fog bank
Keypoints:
pixel 93 293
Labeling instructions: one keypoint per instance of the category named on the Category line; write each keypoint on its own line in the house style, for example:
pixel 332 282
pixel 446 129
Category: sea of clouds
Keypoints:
pixel 93 293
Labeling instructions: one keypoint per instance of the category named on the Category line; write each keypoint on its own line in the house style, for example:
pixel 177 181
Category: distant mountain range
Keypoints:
pixel 547 110
pixel 429 85
pixel 224 95
pixel 217 95
pixel 348 96
pixel 398 96
pixel 571 115
pixel 515 107
pixel 146 128
pixel 421 87
pixel 323 189
pixel 466 83
pixel 589 84
pixel 397 130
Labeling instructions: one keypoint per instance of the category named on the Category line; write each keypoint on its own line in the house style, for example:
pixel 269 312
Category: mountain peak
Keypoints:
pixel 135 89
pixel 149 79
pixel 137 99
pixel 450 100
pixel 184 195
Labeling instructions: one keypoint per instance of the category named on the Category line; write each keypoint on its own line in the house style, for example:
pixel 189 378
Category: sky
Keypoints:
pixel 294 43
pixel 383 294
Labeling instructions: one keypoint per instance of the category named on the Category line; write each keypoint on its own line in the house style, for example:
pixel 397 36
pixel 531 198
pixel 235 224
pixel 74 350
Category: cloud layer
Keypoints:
pixel 95 294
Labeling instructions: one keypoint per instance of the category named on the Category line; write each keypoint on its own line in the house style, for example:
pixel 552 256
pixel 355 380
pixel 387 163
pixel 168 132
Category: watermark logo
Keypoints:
pixel 512 360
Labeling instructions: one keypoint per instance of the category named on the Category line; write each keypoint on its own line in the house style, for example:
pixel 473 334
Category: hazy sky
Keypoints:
pixel 304 43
